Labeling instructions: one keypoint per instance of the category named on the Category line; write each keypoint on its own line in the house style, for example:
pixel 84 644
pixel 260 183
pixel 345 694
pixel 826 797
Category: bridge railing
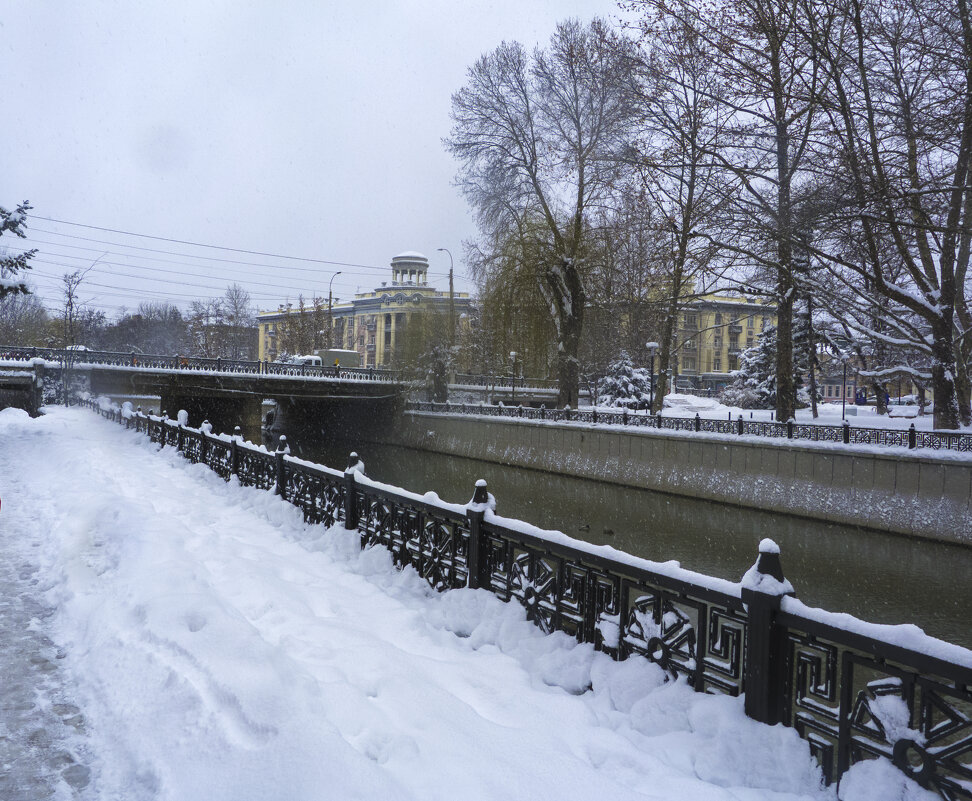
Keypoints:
pixel 178 362
pixel 852 689
pixel 844 434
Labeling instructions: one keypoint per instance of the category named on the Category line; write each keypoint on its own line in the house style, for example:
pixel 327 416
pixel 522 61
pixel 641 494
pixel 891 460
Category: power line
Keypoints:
pixel 204 245
pixel 195 256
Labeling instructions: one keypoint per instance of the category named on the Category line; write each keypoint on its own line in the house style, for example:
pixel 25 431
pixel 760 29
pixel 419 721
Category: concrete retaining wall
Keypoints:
pixel 918 495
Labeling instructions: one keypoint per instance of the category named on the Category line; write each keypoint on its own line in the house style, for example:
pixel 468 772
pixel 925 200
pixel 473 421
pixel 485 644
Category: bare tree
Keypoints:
pixel 682 125
pixel 532 134
pixel 899 99
pixel 769 86
pixel 23 320
pixel 239 317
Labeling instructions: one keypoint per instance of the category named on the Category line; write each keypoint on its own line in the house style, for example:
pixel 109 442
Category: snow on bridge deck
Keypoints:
pixel 218 648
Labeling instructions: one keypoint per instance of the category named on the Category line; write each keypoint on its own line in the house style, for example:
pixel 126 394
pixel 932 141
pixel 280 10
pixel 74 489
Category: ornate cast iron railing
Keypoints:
pixel 845 434
pixel 853 690
pixel 66 356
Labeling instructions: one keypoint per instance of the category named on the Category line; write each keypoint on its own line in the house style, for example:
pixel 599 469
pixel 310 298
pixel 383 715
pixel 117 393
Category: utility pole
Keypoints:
pixel 452 302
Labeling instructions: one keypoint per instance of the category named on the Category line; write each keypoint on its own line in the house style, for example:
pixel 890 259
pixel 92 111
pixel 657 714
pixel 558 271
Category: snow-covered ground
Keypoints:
pixel 170 636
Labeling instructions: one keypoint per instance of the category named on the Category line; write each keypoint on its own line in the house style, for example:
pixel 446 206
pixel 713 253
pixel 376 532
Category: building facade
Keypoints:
pixel 374 323
pixel 715 330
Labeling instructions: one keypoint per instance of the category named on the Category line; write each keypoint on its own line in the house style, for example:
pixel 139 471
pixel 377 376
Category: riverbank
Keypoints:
pixel 923 495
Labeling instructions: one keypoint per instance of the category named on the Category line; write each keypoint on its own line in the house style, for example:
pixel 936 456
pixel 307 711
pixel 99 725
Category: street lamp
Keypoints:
pixel 843 391
pixel 452 301
pixel 330 321
pixel 513 377
pixel 652 349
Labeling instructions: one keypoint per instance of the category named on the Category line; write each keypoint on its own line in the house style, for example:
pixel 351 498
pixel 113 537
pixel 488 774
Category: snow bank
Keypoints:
pixel 222 649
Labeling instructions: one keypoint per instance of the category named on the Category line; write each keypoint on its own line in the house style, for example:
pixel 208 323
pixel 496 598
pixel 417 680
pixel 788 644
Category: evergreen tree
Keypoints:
pixel 625 386
pixel 13 264
pixel 755 382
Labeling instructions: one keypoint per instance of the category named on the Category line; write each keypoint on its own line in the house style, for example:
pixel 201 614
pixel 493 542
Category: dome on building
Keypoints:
pixel 410 268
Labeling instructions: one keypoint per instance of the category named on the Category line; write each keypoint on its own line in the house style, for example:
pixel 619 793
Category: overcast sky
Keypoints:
pixel 309 129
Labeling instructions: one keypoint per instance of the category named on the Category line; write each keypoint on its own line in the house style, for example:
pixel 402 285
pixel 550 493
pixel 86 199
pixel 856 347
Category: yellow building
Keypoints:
pixel 373 323
pixel 715 330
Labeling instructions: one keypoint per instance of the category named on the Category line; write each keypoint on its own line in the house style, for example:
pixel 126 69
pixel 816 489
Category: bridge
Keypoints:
pixel 227 392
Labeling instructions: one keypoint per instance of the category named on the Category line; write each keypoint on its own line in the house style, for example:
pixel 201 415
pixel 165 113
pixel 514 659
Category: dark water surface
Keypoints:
pixel 876 576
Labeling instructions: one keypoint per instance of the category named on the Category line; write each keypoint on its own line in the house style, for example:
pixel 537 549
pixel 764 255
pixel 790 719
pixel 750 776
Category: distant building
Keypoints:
pixel 715 330
pixel 373 323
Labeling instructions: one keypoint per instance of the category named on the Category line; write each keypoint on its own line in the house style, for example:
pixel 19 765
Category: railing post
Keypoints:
pixel 235 451
pixel 282 448
pixel 163 429
pixel 351 512
pixel 477 561
pixel 698 422
pixel 846 432
pixel 789 428
pixel 658 419
pixel 739 425
pixel 912 437
pixel 764 671
pixel 219 364
pixel 593 415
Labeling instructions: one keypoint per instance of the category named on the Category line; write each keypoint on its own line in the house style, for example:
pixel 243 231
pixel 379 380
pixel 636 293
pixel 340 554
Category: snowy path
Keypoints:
pixel 217 648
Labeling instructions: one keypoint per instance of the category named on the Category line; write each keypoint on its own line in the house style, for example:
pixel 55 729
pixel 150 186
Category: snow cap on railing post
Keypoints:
pixel 763 588
pixel 238 433
pixel 282 446
pixel 766 576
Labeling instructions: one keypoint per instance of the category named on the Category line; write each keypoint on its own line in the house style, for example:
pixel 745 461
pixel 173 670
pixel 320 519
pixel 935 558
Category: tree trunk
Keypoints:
pixel 568 366
pixel 946 414
pixel 963 388
pixel 785 390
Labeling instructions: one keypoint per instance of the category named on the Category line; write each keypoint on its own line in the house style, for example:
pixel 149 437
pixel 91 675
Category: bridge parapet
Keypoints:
pixel 153 362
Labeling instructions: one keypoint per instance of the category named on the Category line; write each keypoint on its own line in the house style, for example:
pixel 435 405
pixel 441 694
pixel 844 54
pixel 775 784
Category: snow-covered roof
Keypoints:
pixel 410 254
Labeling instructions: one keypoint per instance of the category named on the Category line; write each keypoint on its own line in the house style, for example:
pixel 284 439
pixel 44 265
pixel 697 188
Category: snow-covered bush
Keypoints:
pixel 625 386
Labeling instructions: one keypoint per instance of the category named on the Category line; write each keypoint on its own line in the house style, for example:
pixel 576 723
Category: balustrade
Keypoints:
pixel 851 689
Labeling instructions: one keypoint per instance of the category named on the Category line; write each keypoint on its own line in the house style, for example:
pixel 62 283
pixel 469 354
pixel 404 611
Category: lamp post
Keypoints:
pixel 513 376
pixel 330 321
pixel 843 391
pixel 652 349
pixel 452 302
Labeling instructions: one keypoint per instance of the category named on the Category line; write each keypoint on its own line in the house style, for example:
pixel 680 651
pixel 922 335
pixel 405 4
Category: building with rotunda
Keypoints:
pixel 374 324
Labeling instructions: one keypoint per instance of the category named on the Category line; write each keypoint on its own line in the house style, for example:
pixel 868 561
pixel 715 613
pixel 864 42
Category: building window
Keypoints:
pixel 718 318
pixel 717 364
pixel 751 321
pixel 688 363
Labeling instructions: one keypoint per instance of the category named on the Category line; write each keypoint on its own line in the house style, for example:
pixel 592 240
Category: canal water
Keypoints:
pixel 876 576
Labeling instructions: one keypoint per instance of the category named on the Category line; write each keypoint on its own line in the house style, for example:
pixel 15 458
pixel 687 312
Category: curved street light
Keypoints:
pixel 330 319
pixel 452 301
